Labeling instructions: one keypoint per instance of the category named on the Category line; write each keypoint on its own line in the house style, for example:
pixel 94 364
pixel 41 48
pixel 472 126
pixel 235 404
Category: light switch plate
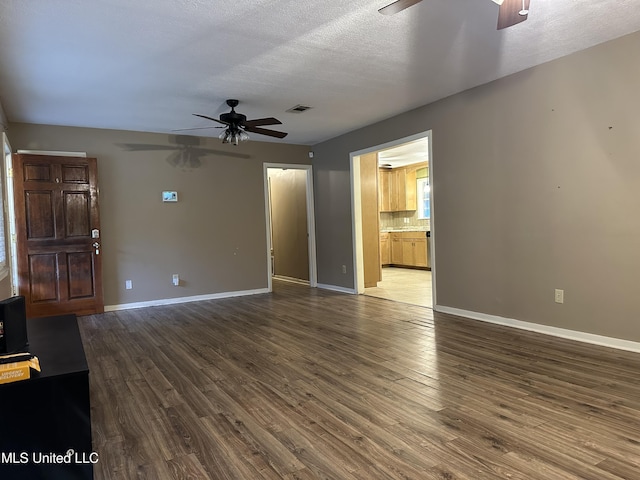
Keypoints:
pixel 169 196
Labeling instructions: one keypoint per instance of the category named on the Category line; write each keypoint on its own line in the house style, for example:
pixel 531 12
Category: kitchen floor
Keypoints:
pixel 404 285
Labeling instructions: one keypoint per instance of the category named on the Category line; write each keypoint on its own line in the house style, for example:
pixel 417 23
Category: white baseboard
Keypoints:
pixel 335 288
pixel 299 281
pixel 172 301
pixel 545 329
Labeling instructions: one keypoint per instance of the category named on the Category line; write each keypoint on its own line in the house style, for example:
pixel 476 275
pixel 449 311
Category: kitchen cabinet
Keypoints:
pixel 396 248
pixel 397 189
pixel 414 249
pixel 408 249
pixel 384 190
pixel 385 249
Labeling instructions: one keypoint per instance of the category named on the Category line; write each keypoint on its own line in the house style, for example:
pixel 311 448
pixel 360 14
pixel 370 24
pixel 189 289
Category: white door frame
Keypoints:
pixel 356 212
pixel 311 222
pixel 10 214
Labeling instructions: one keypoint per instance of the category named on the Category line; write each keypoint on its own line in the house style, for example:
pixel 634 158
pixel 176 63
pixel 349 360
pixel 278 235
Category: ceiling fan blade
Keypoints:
pixel 211 118
pixel 262 121
pixel 397 6
pixel 194 128
pixel 264 131
pixel 509 13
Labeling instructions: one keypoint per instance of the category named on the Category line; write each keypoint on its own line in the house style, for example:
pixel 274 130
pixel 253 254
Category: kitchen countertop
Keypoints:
pixel 407 229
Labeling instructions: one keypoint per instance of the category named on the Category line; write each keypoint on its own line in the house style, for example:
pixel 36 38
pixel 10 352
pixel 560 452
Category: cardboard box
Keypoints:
pixel 14 372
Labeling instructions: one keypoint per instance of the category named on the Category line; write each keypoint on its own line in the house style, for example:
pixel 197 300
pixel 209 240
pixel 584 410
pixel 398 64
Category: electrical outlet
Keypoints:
pixel 176 280
pixel 559 296
pixel 128 284
pixel 344 269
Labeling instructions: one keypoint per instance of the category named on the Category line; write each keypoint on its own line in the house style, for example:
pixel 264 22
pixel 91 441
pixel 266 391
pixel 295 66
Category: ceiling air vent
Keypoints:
pixel 298 109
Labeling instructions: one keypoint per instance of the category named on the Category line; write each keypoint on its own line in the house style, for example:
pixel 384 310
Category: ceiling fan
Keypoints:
pixel 236 125
pixel 511 12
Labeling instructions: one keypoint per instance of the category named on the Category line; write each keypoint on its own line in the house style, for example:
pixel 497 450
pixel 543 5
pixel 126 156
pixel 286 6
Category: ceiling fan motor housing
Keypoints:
pixel 233 118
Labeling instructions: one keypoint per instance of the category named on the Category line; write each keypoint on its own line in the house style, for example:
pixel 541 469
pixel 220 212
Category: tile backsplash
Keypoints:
pixel 396 220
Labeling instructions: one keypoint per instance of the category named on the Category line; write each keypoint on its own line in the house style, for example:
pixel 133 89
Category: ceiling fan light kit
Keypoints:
pixel 233 136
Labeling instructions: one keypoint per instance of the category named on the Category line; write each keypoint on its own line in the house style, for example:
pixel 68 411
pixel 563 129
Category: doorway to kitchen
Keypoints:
pixel 290 224
pixel 393 220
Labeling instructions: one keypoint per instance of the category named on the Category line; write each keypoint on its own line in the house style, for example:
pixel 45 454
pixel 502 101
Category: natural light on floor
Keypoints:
pixel 405 285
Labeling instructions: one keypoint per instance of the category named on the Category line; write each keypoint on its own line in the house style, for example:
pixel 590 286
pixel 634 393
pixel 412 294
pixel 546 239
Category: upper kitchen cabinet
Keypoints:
pixel 397 188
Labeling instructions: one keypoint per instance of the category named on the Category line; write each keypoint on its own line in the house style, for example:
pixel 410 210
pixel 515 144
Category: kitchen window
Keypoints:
pixel 424 199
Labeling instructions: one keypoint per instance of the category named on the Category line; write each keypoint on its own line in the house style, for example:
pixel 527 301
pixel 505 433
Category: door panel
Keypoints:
pixel 75 174
pixel 81 272
pixel 77 214
pixel 40 215
pixel 37 173
pixel 56 202
pixel 41 268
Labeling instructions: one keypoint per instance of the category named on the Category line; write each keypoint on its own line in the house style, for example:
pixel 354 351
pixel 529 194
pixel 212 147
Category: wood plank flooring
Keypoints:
pixel 311 384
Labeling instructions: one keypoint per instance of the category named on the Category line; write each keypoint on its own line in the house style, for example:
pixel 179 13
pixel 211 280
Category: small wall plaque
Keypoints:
pixel 169 196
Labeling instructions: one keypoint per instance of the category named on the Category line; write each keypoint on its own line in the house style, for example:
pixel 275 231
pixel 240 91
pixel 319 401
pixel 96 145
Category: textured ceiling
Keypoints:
pixel 149 64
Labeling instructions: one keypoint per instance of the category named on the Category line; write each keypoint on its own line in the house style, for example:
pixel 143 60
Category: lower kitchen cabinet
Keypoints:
pixel 408 249
pixel 396 248
pixel 385 249
pixel 414 252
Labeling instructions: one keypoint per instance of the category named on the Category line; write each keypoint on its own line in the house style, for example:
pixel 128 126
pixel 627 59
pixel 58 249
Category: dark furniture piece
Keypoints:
pixel 49 413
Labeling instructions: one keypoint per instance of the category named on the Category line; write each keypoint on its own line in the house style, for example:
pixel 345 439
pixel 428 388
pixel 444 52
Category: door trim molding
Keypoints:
pixel 356 226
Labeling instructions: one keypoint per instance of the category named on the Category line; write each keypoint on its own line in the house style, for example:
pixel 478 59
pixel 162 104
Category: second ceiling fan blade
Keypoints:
pixel 265 131
pixel 194 128
pixel 210 118
pixel 397 6
pixel 262 121
pixel 511 13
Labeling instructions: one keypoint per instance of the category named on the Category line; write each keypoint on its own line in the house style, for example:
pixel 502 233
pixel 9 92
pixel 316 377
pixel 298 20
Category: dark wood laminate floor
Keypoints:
pixel 310 384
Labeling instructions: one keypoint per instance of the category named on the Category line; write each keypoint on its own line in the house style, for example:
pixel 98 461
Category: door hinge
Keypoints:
pixel 10 172
pixel 13 238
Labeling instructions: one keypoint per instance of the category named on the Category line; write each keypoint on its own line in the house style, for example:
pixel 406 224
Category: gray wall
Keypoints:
pixel 536 182
pixel 214 237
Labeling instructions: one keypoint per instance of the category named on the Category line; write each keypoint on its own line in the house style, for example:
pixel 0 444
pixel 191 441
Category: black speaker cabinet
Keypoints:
pixel 13 318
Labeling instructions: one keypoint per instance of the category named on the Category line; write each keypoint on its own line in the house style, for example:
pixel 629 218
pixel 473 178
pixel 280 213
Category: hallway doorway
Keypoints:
pixel 290 224
pixel 405 217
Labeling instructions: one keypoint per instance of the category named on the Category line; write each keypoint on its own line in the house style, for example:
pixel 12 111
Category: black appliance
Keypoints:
pixel 13 326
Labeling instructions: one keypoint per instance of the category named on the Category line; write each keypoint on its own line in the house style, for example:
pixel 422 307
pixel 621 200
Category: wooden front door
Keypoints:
pixel 58 234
